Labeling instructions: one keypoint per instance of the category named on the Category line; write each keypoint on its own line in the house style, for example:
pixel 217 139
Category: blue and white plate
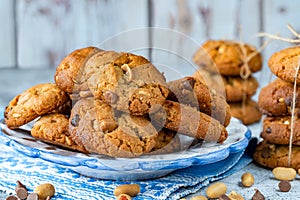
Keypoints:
pixel 144 167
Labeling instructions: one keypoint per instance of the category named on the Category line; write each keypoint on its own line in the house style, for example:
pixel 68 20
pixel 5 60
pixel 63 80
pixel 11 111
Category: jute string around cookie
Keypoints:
pixel 276 37
pixel 245 71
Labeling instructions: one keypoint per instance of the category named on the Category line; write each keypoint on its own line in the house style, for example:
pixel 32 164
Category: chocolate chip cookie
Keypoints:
pixel 276 98
pixel 284 63
pixel 193 92
pixel 189 121
pixel 275 155
pixel 34 102
pixel 233 87
pixel 227 56
pixel 247 112
pixel 69 75
pixel 102 130
pixel 54 129
pixel 277 130
pixel 127 82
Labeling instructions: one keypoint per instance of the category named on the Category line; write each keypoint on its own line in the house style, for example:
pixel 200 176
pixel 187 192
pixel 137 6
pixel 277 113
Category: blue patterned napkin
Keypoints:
pixel 71 185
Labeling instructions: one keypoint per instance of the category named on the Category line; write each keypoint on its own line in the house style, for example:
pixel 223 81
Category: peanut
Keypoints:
pixel 284 174
pixel 45 190
pixel 216 190
pixel 198 198
pixel 130 189
pixel 247 179
pixel 235 196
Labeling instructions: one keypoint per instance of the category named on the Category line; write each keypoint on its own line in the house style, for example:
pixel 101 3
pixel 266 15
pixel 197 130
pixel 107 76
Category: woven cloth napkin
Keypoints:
pixel 71 185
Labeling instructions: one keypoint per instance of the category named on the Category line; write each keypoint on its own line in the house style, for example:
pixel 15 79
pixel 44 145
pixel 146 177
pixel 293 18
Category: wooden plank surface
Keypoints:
pixel 276 16
pixel 192 22
pixel 7 40
pixel 49 29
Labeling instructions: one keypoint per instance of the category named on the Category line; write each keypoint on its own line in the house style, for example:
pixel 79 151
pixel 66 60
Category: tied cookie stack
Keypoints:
pixel 235 62
pixel 276 102
pixel 119 104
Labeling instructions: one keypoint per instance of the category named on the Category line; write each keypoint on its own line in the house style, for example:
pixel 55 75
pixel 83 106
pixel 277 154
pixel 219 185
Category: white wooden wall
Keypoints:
pixel 39 33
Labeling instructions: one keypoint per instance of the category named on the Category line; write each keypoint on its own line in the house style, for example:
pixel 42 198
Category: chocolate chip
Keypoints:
pixel 288 101
pixel 11 198
pixel 110 97
pixel 21 191
pixel 75 120
pixel 258 195
pixel 269 130
pixel 284 186
pixel 265 153
pixel 33 196
pixel 224 197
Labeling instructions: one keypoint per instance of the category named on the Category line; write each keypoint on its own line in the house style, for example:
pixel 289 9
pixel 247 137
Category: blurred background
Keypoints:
pixel 36 34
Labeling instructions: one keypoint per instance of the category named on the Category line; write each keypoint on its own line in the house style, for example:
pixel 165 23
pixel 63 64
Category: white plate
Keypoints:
pixel 144 167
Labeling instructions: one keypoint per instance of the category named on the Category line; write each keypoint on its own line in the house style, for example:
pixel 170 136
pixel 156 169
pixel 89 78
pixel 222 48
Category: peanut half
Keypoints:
pixel 216 190
pixel 130 189
pixel 284 173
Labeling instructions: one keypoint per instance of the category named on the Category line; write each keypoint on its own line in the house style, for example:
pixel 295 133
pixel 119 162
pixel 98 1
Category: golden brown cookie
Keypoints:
pixel 34 102
pixel 248 113
pixel 189 121
pixel 54 129
pixel 227 56
pixel 233 87
pixel 193 92
pixel 69 75
pixel 127 82
pixel 277 130
pixel 276 98
pixel 237 88
pixel 102 130
pixel 272 155
pixel 284 63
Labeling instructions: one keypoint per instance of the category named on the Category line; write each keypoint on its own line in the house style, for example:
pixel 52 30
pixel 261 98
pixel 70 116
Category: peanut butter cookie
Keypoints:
pixel 275 155
pixel 277 130
pixel 102 130
pixel 193 92
pixel 69 75
pixel 233 87
pixel 284 63
pixel 34 102
pixel 248 113
pixel 189 121
pixel 276 98
pixel 127 82
pixel 227 56
pixel 54 129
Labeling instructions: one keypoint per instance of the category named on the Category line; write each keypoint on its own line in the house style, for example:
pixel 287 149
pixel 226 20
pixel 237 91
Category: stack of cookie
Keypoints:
pixel 231 60
pixel 118 104
pixel 275 101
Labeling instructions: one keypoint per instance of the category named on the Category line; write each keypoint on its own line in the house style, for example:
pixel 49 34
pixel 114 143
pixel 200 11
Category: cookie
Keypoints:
pixel 272 155
pixel 276 98
pixel 193 92
pixel 69 75
pixel 235 87
pixel 277 130
pixel 284 63
pixel 127 82
pixel 248 113
pixel 54 129
pixel 34 102
pixel 189 121
pixel 227 56
pixel 102 130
